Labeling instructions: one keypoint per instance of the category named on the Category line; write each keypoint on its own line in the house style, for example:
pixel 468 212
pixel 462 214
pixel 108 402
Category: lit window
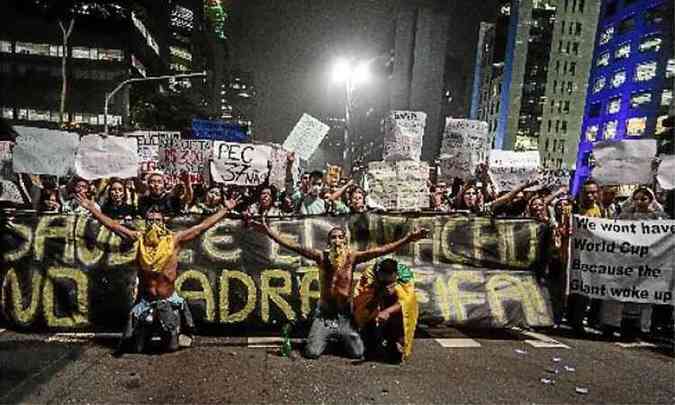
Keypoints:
pixel 111 54
pixel 603 59
pixel 645 71
pixel 614 105
pixel 623 51
pixel 81 52
pixel 638 99
pixel 32 49
pixel 660 128
pixel 650 43
pixel 599 84
pixel 180 53
pixel 78 118
pixel 636 126
pixel 670 69
pixel 610 129
pixel 23 114
pixel 55 50
pixel 5 46
pixel 606 35
pixel 7 113
pixel 592 133
pixel 666 97
pixel 618 78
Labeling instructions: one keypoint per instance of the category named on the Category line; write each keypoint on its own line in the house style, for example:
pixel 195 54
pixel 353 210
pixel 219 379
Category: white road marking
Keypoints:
pixel 267 340
pixel 635 344
pixel 543 344
pixel 264 346
pixel 80 337
pixel 458 343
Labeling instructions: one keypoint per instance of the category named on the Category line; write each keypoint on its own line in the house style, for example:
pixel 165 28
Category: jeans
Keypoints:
pixel 327 326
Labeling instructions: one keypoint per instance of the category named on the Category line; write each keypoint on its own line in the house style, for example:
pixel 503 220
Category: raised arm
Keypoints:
pixel 338 193
pixel 187 235
pixel 512 194
pixel 370 254
pixel 105 220
pixel 312 254
pixel 550 198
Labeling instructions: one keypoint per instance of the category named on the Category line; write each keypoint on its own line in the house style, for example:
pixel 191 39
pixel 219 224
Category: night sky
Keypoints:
pixel 290 45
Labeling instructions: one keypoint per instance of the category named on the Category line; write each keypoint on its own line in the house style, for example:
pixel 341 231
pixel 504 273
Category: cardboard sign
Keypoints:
pixel 666 173
pixel 400 185
pixel 10 192
pixel 44 151
pixel 148 148
pixel 306 136
pixel 243 164
pixel 465 145
pixel 403 135
pixel 279 161
pixel 177 156
pixel 510 169
pixel 624 162
pixel 102 157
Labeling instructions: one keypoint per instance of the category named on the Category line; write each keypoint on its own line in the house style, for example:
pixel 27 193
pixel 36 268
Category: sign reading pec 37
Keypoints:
pixel 68 272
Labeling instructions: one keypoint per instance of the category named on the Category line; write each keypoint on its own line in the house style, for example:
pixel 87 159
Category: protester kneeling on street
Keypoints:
pixel 385 308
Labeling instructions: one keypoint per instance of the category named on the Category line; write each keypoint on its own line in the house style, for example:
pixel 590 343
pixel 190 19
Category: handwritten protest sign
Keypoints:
pixel 112 156
pixel 403 135
pixel 465 145
pixel 666 173
pixel 243 164
pixel 178 156
pixel 509 169
pixel 6 171
pixel 279 161
pixel 148 148
pixel 10 192
pixel 400 185
pixel 629 261
pixel 306 136
pixel 44 151
pixel 624 162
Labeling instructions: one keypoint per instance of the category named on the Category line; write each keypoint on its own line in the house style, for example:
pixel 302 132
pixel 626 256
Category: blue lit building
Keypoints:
pixel 628 94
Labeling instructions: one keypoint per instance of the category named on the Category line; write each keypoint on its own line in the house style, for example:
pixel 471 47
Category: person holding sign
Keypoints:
pixel 157 258
pixel 385 308
pixel 333 318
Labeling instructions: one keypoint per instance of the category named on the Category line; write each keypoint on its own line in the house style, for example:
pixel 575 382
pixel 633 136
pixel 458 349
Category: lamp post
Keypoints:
pixel 110 95
pixel 350 74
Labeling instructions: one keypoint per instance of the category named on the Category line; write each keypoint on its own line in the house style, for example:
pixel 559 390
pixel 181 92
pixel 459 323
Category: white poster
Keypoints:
pixel 400 185
pixel 178 156
pixel 10 192
pixel 102 157
pixel 44 151
pixel 465 145
pixel 403 135
pixel 148 148
pixel 624 162
pixel 629 261
pixel 510 169
pixel 666 173
pixel 279 159
pixel 243 164
pixel 306 136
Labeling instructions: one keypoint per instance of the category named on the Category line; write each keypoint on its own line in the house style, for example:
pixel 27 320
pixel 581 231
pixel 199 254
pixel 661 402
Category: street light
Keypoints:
pixel 350 74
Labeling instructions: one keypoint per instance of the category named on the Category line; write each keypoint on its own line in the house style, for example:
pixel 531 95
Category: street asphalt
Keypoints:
pixel 483 367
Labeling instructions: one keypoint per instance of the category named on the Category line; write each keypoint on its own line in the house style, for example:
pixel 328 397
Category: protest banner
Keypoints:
pixel 624 162
pixel 148 148
pixel 399 185
pixel 178 156
pixel 666 172
pixel 553 178
pixel 70 273
pixel 278 162
pixel 44 151
pixel 620 260
pixel 509 169
pixel 403 135
pixel 306 136
pixel 216 130
pixel 6 171
pixel 102 157
pixel 465 145
pixel 243 164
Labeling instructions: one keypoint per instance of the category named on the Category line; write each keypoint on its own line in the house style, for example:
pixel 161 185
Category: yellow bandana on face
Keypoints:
pixel 155 248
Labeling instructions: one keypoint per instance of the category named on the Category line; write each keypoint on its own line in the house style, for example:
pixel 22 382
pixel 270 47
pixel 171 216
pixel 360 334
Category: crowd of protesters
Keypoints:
pixel 313 194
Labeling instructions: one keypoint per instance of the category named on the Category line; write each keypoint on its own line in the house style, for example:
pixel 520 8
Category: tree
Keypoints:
pixel 171 111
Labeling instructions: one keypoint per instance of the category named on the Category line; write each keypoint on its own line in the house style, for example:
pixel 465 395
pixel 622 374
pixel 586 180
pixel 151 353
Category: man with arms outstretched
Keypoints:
pixel 333 317
pixel 158 250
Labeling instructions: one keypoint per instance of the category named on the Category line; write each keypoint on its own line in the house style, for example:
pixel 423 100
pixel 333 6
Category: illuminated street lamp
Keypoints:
pixel 350 74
